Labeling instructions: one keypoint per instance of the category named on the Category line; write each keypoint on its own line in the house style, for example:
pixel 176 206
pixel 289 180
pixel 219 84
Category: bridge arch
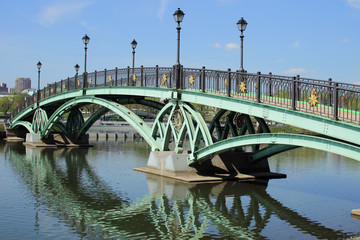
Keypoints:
pixel 24 124
pixel 315 142
pixel 135 121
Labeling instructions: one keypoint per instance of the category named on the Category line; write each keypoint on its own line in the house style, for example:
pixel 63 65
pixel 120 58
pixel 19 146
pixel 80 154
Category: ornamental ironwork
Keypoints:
pixel 239 120
pixel 177 119
pixel 134 77
pixel 191 80
pixel 242 87
pixel 313 99
pixel 164 79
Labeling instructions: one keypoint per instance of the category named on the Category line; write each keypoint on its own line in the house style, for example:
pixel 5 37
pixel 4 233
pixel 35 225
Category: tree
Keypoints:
pixel 5 104
pixel 10 102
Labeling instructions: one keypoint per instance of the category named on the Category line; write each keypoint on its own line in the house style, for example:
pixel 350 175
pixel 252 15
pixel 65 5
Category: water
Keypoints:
pixel 95 194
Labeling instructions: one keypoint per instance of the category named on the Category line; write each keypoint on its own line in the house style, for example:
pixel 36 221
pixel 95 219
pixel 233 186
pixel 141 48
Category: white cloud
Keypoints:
pixel 217 45
pixel 345 40
pixel 163 4
pixel 232 46
pixel 51 14
pixel 353 3
pixel 296 44
pixel 228 46
pixel 296 71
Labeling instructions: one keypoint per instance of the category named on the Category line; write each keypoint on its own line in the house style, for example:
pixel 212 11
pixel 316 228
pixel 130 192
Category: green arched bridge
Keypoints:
pixel 243 105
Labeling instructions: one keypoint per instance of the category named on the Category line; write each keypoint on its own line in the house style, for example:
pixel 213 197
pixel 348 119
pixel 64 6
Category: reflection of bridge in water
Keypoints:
pixel 62 180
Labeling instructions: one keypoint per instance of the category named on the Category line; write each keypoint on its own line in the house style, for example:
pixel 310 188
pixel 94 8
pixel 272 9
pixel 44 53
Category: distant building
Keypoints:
pixel 3 89
pixel 22 83
pixel 29 91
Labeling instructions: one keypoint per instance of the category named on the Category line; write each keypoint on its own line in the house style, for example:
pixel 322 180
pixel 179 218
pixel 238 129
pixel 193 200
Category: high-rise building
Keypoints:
pixel 22 83
pixel 3 89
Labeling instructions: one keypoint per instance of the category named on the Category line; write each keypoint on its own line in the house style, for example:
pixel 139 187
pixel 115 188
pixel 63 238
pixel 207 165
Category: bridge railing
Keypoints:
pixel 339 101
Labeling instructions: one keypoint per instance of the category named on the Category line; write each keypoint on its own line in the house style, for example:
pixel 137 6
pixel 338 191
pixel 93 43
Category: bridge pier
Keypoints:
pixel 226 166
pixel 56 140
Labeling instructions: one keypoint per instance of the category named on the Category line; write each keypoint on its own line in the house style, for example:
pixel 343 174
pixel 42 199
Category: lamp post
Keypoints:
pixel 86 40
pixel 77 67
pixel 242 26
pixel 133 45
pixel 178 16
pixel 38 92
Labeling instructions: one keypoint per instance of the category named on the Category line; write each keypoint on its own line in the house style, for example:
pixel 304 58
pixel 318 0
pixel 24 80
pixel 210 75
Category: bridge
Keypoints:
pixel 243 104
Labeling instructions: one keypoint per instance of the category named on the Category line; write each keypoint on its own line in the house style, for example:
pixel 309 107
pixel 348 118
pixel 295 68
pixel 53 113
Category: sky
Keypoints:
pixel 313 38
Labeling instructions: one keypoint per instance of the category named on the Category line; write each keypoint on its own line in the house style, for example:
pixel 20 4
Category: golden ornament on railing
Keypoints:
pixel 191 80
pixel 226 82
pixel 64 86
pixel 90 81
pixel 255 85
pixel 164 79
pixel 242 87
pixel 110 78
pixel 313 99
pixel 139 83
pixel 78 83
pixel 52 90
pixel 134 77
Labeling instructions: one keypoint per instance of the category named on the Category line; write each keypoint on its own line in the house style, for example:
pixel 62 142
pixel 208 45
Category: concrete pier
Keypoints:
pixel 55 140
pixel 172 165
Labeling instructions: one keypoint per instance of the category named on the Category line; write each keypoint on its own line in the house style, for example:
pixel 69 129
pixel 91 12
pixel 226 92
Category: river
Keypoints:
pixel 94 193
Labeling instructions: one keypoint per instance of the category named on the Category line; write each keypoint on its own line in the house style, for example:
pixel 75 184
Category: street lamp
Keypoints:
pixel 86 40
pixel 133 45
pixel 77 67
pixel 242 26
pixel 178 16
pixel 38 92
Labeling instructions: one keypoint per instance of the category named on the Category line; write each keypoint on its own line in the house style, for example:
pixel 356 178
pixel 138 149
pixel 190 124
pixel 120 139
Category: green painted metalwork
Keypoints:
pixel 25 124
pixel 270 150
pixel 39 120
pixel 91 120
pixel 199 133
pixel 59 126
pixel 180 124
pixel 339 130
pixel 120 91
pixel 236 124
pixel 99 113
pixel 320 143
pixel 74 122
pixel 125 113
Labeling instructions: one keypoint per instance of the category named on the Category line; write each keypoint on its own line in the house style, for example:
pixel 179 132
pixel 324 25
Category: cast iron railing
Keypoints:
pixel 335 100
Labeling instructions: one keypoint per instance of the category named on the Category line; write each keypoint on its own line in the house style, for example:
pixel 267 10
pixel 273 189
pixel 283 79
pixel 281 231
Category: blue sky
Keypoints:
pixel 313 38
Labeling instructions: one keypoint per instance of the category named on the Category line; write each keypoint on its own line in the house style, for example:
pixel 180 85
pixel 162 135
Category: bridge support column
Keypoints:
pixel 225 166
pixel 173 165
pixel 34 140
pixel 56 140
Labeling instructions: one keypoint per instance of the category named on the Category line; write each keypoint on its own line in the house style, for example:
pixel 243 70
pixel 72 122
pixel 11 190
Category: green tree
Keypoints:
pixel 10 102
pixel 6 104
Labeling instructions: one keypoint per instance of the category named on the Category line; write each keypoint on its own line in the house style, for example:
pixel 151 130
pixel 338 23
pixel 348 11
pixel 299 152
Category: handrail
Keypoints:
pixel 335 100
